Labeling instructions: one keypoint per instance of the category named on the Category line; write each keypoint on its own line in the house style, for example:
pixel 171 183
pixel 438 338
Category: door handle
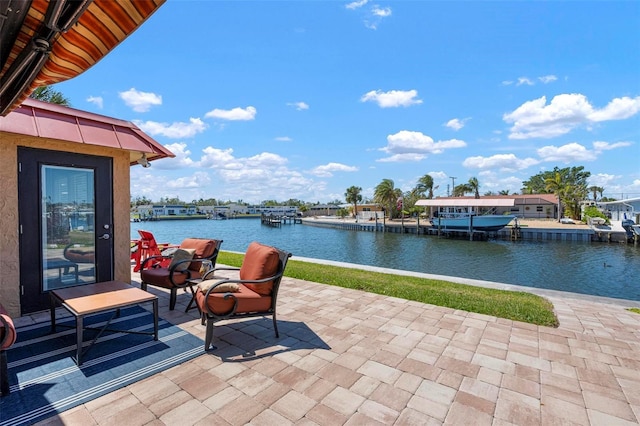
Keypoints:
pixel 104 237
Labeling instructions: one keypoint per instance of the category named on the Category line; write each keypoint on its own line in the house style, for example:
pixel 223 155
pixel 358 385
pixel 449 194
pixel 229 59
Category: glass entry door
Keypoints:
pixel 68 226
pixel 65 205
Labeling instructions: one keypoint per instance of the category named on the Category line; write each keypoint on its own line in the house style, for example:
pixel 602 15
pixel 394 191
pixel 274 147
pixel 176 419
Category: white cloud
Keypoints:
pixel 546 79
pixel 402 158
pixel 507 82
pixel 382 12
pixel 568 153
pixel 456 123
pixel 617 109
pixel 300 106
pixel 603 179
pixel 235 114
pixel 373 16
pixel 216 158
pixel 536 119
pixel 96 100
pixel 283 139
pixel 438 175
pixel 408 142
pixel 327 170
pixel 524 80
pixel 392 98
pixel 260 177
pixel 182 157
pixel 176 130
pixel 195 181
pixel 600 146
pixel 356 4
pixel 140 101
pixel 504 162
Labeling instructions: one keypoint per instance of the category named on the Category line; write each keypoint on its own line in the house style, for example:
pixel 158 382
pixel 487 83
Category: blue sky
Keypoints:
pixel 272 100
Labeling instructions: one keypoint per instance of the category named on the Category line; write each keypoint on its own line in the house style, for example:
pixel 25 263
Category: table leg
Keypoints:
pixel 155 319
pixel 79 328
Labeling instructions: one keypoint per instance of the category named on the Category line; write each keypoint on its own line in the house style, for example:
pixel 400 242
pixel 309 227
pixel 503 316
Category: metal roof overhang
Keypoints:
pixel 466 202
pixel 46 120
pixel 43 42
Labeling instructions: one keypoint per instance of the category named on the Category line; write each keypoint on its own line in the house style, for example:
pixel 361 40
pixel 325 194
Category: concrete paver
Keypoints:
pixel 349 357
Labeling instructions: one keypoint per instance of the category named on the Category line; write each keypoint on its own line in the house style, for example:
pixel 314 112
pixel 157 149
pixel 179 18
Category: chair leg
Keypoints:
pixel 4 376
pixel 172 298
pixel 208 334
pixel 275 325
pixel 143 286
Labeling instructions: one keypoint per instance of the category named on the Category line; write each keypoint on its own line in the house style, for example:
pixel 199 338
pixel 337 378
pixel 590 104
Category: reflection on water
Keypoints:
pixel 601 269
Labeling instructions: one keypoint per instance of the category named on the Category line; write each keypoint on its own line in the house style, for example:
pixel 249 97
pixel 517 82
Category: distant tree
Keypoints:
pixel 342 213
pixel 504 192
pixel 386 194
pixel 536 184
pixel 140 201
pixel 569 184
pixel 474 186
pixel 556 185
pixel 425 186
pixel 461 190
pixel 595 190
pixel 47 94
pixel 353 196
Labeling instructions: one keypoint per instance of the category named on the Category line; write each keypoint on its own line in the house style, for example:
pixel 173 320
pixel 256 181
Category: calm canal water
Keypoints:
pixel 611 270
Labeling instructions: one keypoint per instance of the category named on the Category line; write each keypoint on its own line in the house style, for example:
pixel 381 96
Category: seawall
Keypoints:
pixel 547 231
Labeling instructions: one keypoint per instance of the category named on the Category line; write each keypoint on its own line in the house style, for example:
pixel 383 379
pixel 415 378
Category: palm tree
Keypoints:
pixel 595 190
pixel 47 94
pixel 461 190
pixel 474 186
pixel 354 196
pixel 503 192
pixel 556 184
pixel 425 185
pixel 386 194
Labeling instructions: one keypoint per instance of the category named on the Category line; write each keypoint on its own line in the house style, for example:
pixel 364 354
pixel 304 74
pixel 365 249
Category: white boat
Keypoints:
pixel 471 222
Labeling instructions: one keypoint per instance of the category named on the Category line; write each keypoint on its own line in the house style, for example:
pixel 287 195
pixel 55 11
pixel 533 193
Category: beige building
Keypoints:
pixel 64 173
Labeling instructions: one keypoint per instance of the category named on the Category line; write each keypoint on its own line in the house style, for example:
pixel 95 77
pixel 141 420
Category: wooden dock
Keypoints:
pixel 276 221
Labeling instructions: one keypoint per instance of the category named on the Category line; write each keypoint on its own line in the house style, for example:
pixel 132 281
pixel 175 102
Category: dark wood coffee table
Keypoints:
pixel 89 299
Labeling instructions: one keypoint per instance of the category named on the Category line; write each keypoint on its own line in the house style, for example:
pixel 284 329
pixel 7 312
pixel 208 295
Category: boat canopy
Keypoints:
pixel 467 202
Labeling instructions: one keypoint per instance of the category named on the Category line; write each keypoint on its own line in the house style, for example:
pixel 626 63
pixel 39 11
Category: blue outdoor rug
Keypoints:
pixel 45 380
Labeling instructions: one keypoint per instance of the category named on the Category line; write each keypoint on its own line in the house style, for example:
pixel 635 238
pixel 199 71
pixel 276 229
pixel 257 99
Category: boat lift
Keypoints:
pixel 467 205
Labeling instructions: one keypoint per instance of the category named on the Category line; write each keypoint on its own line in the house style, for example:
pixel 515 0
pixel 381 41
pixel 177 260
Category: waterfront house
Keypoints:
pixel 368 211
pixel 621 209
pixel 57 161
pixel 525 206
pixel 323 210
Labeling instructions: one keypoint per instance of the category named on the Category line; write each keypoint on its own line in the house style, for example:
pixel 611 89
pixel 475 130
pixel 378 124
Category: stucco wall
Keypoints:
pixel 9 238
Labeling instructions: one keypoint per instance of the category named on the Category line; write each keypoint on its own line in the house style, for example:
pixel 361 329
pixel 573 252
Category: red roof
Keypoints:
pixel 46 120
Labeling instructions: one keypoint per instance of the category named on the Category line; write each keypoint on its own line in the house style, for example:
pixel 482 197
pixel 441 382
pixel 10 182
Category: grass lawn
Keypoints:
pixel 517 306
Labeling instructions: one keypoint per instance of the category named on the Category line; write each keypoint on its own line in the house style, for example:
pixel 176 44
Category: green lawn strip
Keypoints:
pixel 634 310
pixel 517 306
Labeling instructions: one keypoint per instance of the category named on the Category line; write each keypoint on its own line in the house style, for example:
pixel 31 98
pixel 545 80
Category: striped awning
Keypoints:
pixel 56 40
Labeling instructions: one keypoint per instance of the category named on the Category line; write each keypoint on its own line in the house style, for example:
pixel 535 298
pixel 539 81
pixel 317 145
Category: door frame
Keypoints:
pixel 30 160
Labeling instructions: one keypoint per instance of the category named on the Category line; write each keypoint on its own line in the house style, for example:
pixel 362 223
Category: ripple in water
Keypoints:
pixel 574 267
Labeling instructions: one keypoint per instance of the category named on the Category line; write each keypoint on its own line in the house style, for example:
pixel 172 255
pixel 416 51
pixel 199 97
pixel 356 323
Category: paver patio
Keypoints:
pixel 355 358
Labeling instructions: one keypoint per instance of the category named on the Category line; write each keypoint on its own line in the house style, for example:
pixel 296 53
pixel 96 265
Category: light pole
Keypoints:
pixel 453 185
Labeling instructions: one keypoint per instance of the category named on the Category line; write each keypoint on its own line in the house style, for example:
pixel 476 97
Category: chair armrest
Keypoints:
pixel 151 259
pixel 239 281
pixel 213 271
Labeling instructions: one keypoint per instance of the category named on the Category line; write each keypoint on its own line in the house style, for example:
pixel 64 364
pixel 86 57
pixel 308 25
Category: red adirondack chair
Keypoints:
pixel 147 247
